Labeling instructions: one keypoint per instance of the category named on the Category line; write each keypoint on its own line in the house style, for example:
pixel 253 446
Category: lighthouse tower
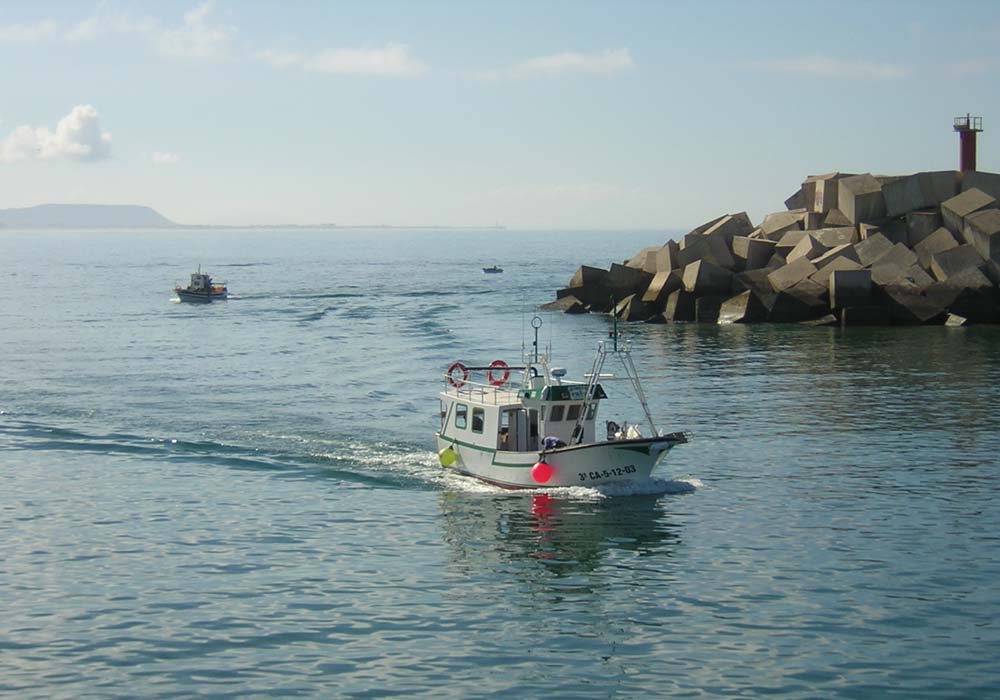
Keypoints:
pixel 967 128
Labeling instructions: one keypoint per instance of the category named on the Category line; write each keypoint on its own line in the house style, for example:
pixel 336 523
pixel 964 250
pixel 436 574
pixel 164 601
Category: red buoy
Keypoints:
pixel 541 472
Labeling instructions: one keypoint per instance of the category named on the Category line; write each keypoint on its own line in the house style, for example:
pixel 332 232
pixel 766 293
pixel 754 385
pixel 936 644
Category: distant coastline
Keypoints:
pixel 119 216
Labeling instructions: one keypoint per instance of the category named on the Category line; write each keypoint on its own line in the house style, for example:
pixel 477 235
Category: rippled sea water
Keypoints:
pixel 241 500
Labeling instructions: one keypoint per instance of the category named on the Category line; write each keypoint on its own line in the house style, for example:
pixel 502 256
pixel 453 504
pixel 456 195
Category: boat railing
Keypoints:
pixel 485 393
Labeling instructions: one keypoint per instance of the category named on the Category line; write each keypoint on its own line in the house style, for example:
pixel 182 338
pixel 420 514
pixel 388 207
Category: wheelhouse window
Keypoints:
pixel 461 416
pixel 478 418
pixel 556 414
pixel 573 412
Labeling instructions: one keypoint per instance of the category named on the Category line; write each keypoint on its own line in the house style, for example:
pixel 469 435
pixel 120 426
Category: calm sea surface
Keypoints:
pixel 241 500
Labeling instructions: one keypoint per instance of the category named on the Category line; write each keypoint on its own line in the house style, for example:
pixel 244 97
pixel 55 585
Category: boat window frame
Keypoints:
pixel 573 411
pixel 480 413
pixel 556 412
pixel 462 412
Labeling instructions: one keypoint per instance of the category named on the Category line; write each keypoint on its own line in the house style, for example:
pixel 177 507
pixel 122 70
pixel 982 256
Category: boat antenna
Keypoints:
pixel 536 323
pixel 614 325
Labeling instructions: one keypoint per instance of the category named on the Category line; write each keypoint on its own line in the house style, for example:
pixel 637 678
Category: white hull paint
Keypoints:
pixel 593 464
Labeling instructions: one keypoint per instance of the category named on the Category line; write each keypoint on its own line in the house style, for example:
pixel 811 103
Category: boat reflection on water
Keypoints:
pixel 547 537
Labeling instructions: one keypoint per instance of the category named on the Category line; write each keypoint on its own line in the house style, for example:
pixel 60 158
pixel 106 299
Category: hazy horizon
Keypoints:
pixel 563 116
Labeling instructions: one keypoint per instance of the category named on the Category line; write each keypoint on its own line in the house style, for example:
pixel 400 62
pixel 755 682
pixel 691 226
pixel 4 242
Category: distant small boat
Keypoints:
pixel 202 289
pixel 493 270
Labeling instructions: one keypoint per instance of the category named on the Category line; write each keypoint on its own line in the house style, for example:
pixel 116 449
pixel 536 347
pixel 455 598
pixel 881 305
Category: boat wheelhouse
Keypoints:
pixel 542 429
pixel 202 289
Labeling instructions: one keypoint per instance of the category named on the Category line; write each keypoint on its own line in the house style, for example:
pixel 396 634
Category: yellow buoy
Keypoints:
pixel 448 456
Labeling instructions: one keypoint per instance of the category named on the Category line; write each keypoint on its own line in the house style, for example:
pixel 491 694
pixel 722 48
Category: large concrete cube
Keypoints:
pixel 982 230
pixel 822 275
pixel 938 242
pixel 731 225
pixel 825 191
pixel 644 260
pixel 919 191
pixel 680 307
pixel 835 218
pixel 791 274
pixel 987 182
pixel 808 248
pixel 850 288
pixel 872 248
pixel 954 210
pixel 955 261
pixel 663 283
pixel 833 237
pixel 586 275
pixel 703 278
pixel 841 251
pixel 666 257
pixel 745 307
pixel 752 253
pixel 860 198
pixel 774 225
pixel 921 224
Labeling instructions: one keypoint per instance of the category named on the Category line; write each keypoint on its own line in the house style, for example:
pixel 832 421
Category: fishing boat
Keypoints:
pixel 493 270
pixel 541 430
pixel 202 289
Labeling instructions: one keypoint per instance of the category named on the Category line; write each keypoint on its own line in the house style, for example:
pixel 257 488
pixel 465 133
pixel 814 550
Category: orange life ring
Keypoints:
pixel 450 374
pixel 498 365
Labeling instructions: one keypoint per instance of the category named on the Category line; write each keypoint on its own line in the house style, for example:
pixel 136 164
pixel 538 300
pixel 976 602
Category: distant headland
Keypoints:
pixel 113 216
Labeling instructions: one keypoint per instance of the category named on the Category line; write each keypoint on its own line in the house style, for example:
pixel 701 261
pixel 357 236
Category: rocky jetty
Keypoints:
pixel 849 249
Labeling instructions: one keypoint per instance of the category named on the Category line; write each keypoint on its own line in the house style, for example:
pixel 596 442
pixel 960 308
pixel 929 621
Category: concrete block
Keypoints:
pixel 720 252
pixel 791 274
pixel 680 307
pixel 774 225
pixel 812 293
pixel 692 249
pixel 860 198
pixel 825 191
pixel 954 210
pixel 662 284
pixel 731 225
pixel 706 309
pixel 872 248
pixel 705 278
pixel 626 280
pixel 841 251
pixel 833 237
pixel 893 266
pixel 705 226
pixel 908 306
pixel 955 321
pixel 644 260
pixel 917 277
pixel 796 201
pixel 586 275
pixel 791 308
pixel 777 260
pixel 896 231
pixel 938 242
pixel 808 248
pixel 970 278
pixel 921 224
pixel 822 275
pixel 788 241
pixel 666 257
pixel 986 182
pixel 919 191
pixel 756 282
pixel 752 253
pixel 982 230
pixel 835 218
pixel 865 315
pixel 850 288
pixel 952 262
pixel 745 307
pixel 812 221
pixel 632 308
pixel 568 304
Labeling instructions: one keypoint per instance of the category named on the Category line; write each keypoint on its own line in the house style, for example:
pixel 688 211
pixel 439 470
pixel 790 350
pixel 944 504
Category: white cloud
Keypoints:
pixel 165 158
pixel 392 61
pixel 197 37
pixel 77 136
pixel 34 31
pixel 829 67
pixel 602 63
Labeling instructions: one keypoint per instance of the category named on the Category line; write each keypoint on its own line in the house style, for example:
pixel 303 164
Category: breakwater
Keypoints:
pixel 851 249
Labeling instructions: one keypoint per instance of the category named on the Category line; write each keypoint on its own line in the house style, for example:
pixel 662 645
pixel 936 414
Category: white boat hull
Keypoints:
pixel 594 464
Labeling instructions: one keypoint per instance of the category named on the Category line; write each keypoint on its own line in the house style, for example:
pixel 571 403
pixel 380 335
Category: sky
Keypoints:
pixel 531 115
